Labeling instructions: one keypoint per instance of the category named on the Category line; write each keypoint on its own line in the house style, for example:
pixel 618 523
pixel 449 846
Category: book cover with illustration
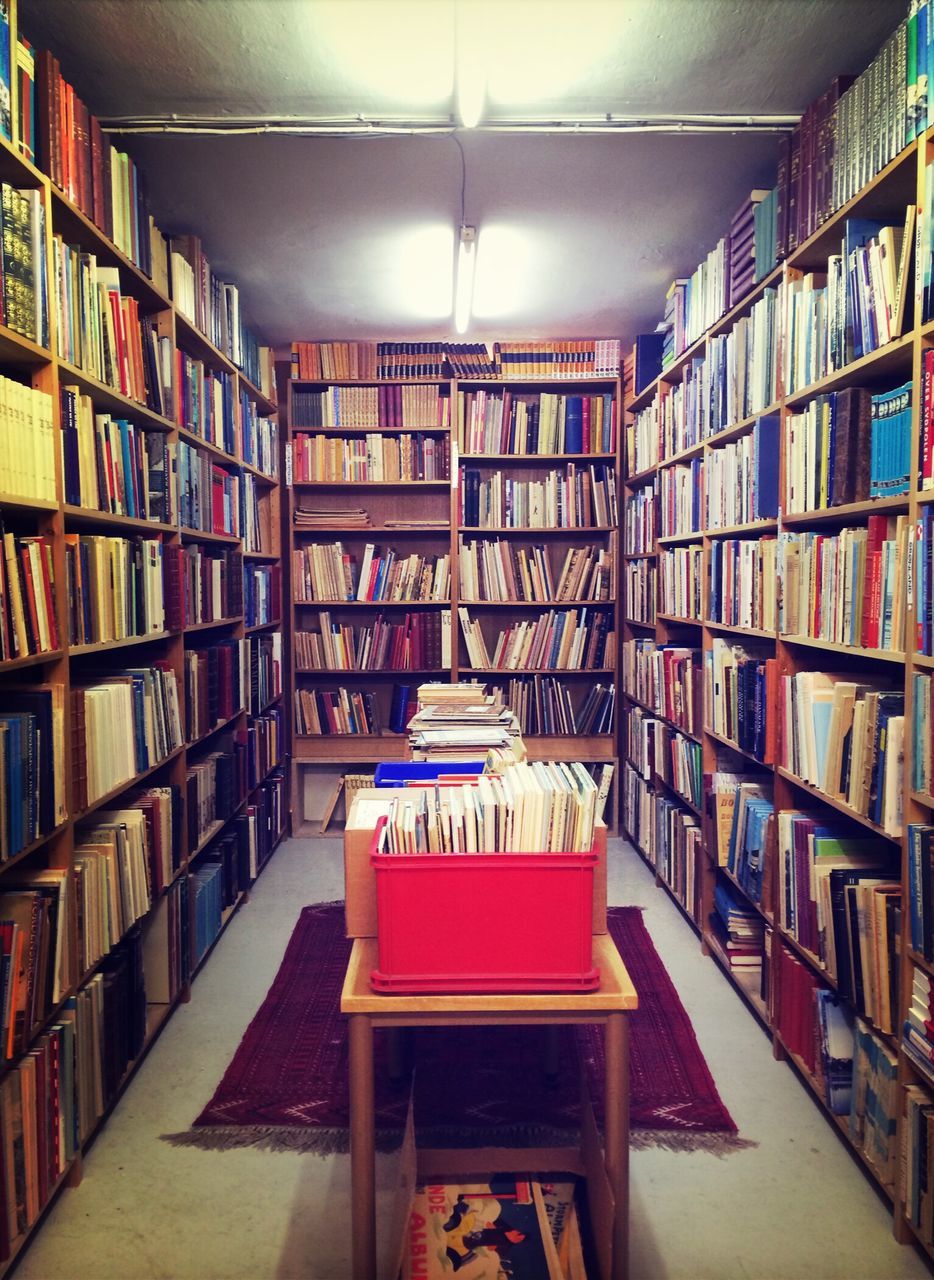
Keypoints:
pixel 496 1230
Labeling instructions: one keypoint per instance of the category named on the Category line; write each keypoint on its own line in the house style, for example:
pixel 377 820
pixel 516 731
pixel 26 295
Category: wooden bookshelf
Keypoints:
pixel 71 663
pixel 901 182
pixel 441 501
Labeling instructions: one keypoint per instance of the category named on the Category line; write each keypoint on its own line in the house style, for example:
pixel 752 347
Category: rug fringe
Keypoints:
pixel 716 1144
pixel 307 1140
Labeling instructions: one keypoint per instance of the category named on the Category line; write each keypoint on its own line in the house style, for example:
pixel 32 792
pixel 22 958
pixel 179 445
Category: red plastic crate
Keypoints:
pixel 484 922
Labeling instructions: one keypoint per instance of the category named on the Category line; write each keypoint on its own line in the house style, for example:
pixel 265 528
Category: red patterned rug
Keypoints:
pixel 286 1087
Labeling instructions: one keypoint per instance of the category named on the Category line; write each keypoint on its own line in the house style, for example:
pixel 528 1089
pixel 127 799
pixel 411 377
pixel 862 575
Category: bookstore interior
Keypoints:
pixel 466 639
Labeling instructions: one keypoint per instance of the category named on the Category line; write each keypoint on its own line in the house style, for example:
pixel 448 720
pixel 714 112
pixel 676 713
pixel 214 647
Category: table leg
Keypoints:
pixel 616 1108
pixel 362 1148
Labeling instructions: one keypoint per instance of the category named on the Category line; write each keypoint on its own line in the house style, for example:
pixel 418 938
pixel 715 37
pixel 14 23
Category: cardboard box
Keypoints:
pixel 368 807
pixel 585 1162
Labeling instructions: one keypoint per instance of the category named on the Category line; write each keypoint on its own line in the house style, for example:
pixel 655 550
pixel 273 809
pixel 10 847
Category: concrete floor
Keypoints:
pixel 795 1206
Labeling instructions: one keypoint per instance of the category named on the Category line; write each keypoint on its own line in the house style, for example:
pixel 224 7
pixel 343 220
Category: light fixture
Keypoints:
pixel 469 71
pixel 466 266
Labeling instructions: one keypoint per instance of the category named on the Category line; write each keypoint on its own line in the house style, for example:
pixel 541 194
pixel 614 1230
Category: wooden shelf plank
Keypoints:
pixel 839 805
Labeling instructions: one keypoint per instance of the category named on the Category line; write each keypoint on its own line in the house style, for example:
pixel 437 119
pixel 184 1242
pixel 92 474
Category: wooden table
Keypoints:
pixel 367 1009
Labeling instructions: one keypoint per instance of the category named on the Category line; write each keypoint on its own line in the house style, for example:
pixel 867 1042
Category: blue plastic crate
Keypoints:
pixel 404 773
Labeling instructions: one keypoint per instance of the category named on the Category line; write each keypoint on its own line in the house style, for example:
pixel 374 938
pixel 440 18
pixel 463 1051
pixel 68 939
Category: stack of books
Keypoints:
pixel 739 929
pixel 325 517
pixel 462 722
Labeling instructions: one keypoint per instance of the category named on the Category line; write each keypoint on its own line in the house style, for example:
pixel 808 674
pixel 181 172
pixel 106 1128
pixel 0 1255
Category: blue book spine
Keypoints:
pixel 573 424
pixel 128 486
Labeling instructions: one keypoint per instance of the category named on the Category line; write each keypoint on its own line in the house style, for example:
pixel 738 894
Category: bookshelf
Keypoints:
pixel 494 597
pixel 169 623
pixel 694 613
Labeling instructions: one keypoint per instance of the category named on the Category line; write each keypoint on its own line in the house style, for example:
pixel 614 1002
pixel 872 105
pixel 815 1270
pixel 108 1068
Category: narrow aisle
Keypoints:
pixel 796 1206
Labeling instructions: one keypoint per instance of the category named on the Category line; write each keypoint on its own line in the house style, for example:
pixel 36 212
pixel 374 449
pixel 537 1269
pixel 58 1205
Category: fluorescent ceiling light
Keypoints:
pixel 509 276
pixel 469 63
pixel 466 266
pixel 388 55
pixel 413 268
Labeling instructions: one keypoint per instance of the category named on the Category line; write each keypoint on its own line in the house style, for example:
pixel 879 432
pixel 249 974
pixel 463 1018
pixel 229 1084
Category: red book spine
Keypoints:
pixel 927 409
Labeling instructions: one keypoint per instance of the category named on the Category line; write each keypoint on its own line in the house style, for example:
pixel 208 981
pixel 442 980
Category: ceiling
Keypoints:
pixel 354 236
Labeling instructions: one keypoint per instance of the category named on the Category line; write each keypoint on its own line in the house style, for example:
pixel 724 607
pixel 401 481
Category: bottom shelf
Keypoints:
pixel 157 1016
pixel 748 982
pixel 840 1123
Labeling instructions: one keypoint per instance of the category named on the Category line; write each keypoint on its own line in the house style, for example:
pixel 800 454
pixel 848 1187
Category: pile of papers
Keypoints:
pixel 463 722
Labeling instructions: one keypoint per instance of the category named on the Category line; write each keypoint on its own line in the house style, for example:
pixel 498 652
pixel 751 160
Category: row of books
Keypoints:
pixel 744 821
pixel 741 479
pixel 115 588
pixel 537 807
pixel 213 306
pixel 828 452
pixel 121 725
pixel 854 308
pixel 918 1044
pixel 655 748
pixel 922 740
pixel 260 437
pixel 215 784
pixel 742 367
pixel 371 458
pixel 643 439
pixel 111 465
pixel 347 361
pixel 680 581
pixel 262 594
pixel 328 572
pixel 740 694
pixel 846 738
pixel 254 516
pixel 27 442
pixel 36 935
pixel 264 670
pixel 684 413
pixel 264 746
pixel 210 583
pixel 744 587
pixel 521 423
pixel 546 705
pixel 208 494
pixel 112 881
pixel 682 504
pixel 215 686
pixel 557 640
pixel 101 331
pixel 675 842
pixel 25 286
pixel 415 642
pixel 577 497
pixel 640 590
pixel 667 679
pixel 365 408
pixel 839 897
pixel 205 403
pixel 640 520
pixel 71 148
pixel 846 587
pixel 501 570
pixel 336 711
pixel 28 623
